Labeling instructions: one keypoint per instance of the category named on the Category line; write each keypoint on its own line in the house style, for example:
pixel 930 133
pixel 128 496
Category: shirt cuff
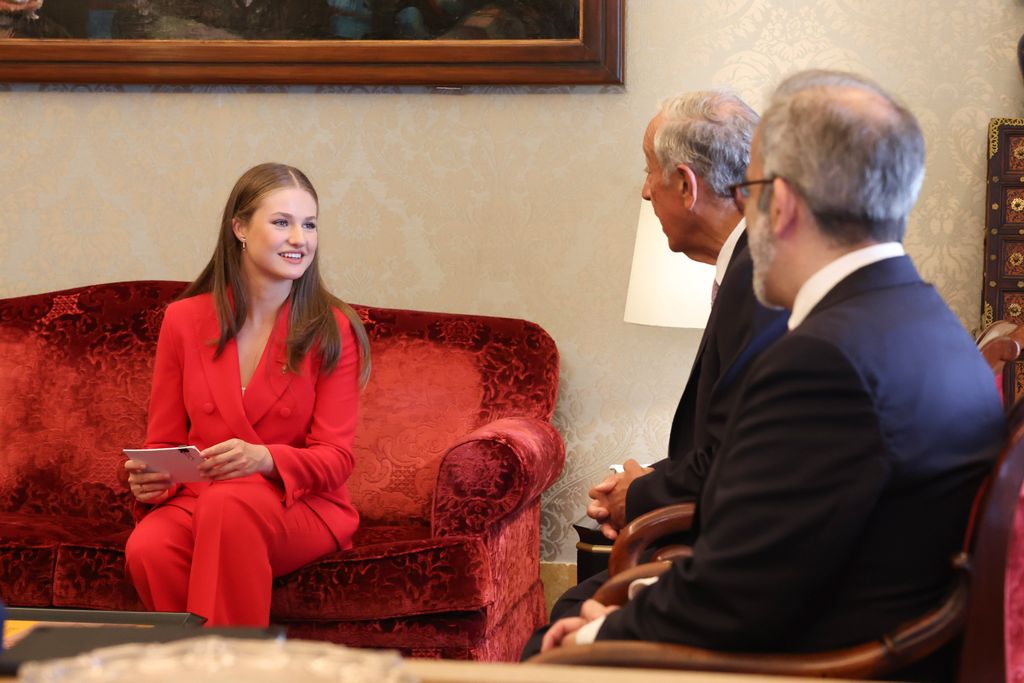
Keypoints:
pixel 588 633
pixel 639 584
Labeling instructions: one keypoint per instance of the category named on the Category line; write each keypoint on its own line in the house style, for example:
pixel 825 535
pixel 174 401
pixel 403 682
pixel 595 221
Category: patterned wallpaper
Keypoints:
pixel 507 200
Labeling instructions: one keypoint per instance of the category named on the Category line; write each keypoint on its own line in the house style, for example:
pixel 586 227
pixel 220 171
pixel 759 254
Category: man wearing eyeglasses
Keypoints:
pixel 696 148
pixel 845 477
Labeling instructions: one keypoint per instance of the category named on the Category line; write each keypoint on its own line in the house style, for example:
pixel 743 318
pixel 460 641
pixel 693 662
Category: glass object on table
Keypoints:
pixel 213 659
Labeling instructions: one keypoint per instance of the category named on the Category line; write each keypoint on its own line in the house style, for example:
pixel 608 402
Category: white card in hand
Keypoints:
pixel 181 462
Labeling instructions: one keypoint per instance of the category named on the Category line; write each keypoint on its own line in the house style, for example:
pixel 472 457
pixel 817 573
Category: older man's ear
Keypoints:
pixel 688 185
pixel 786 207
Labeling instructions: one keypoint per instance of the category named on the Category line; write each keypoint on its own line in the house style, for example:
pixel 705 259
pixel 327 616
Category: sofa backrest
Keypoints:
pixel 75 373
pixel 437 377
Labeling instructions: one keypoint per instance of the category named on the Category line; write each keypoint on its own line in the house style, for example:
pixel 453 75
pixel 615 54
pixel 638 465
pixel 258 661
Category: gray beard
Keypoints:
pixel 762 253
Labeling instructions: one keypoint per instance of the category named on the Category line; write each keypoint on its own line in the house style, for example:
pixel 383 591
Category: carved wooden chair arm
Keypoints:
pixel 672 553
pixel 615 591
pixel 908 643
pixel 645 530
pixel 999 351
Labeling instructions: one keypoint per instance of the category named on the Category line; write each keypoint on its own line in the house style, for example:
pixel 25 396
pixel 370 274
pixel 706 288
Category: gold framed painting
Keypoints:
pixel 398 42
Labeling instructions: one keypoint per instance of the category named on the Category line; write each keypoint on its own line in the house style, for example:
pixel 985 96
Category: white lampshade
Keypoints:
pixel 665 288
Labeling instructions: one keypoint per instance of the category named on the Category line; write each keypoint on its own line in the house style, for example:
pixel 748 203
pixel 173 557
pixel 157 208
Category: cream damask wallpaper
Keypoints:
pixel 505 201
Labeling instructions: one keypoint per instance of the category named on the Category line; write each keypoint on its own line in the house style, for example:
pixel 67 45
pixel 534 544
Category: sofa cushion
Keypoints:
pixel 92 576
pixel 485 634
pixel 384 580
pixel 76 563
pixel 26 573
pixel 34 558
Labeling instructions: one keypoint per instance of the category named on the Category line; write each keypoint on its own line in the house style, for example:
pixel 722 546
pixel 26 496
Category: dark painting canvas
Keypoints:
pixel 290 19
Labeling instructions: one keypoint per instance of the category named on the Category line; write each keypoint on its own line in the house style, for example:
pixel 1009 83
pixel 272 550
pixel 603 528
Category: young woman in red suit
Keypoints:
pixel 260 367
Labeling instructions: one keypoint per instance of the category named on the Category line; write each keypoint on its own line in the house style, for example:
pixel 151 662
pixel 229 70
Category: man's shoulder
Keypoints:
pixel 908 310
pixel 805 352
pixel 890 333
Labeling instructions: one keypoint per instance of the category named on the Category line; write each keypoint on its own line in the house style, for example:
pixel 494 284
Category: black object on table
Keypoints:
pixel 101 616
pixel 51 642
pixel 592 550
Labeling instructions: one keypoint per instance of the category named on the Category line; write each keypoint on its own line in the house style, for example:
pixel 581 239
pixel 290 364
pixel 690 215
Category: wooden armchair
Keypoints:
pixel 1000 343
pixel 974 606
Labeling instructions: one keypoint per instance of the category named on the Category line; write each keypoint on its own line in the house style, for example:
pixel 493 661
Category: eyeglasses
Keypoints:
pixel 741 191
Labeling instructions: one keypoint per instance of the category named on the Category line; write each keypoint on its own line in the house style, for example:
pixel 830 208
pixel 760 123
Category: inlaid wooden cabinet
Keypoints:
pixel 1003 288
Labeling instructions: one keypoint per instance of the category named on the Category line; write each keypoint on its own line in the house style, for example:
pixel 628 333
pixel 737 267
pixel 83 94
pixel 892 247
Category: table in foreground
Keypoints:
pixel 442 671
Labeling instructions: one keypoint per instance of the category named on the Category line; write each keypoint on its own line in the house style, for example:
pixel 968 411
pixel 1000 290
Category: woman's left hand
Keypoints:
pixel 235 458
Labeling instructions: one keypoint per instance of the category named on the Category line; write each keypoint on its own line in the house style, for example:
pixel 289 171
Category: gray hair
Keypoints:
pixel 710 131
pixel 854 153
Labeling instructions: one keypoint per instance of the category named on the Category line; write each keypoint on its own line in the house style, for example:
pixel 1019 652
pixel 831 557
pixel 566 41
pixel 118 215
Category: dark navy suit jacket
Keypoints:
pixel 843 482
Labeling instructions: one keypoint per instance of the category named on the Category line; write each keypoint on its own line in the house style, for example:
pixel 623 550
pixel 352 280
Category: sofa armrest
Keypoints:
pixel 493 472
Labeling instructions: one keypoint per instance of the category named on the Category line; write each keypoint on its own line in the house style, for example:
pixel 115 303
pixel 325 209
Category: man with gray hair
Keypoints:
pixel 696 147
pixel 845 477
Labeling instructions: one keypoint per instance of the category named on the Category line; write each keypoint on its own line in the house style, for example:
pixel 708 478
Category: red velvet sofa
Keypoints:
pixel 453 450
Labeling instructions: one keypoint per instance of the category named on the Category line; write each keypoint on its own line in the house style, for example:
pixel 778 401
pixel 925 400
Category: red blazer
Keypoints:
pixel 307 420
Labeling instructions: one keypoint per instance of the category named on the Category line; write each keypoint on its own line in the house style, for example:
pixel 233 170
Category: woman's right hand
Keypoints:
pixel 147 487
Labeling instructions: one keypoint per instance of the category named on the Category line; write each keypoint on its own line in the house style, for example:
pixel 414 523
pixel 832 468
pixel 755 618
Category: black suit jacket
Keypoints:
pixel 843 485
pixel 738 329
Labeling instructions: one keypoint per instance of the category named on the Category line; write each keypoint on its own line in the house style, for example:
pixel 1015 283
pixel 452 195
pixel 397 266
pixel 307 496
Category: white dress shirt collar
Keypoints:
pixel 728 247
pixel 822 282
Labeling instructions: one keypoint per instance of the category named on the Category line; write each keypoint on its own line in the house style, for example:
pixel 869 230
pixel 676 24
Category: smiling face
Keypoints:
pixel 280 238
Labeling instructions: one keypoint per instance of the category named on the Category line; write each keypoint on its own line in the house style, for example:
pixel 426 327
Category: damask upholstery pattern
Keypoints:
pixel 453 449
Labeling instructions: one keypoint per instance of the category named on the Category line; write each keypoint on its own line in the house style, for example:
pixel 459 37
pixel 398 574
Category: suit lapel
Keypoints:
pixel 716 312
pixel 687 402
pixel 222 376
pixel 763 326
pixel 271 379
pixel 718 305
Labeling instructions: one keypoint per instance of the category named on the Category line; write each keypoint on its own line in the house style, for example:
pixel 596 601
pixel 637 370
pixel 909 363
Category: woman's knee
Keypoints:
pixel 145 546
pixel 164 533
pixel 239 500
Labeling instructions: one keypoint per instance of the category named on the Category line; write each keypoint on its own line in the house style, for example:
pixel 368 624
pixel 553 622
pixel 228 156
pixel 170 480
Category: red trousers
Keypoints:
pixel 213 550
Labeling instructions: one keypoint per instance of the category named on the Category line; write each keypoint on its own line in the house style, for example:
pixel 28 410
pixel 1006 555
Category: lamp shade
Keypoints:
pixel 665 288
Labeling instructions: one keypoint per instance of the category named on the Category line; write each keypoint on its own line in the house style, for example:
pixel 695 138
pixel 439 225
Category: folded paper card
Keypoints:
pixel 181 462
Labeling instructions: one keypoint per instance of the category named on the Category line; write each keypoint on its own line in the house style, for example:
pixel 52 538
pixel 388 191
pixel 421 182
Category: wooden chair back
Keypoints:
pixel 983 656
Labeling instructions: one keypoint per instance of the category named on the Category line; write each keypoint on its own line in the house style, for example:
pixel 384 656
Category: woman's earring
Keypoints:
pixel 243 244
